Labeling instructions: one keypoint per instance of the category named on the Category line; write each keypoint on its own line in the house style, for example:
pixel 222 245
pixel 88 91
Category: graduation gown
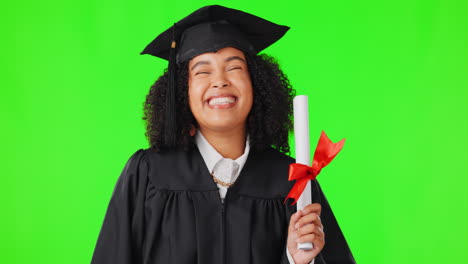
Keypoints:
pixel 166 208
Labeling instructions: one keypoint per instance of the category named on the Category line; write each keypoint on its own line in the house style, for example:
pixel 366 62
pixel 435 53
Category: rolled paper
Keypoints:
pixel 302 145
pixel 302 171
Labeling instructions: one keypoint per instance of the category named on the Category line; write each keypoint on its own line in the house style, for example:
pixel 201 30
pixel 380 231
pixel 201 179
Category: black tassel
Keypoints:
pixel 170 122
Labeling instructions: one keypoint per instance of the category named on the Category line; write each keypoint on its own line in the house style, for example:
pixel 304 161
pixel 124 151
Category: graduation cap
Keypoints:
pixel 208 29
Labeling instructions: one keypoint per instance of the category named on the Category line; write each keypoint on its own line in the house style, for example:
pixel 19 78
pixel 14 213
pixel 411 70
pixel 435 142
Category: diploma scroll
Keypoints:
pixel 301 139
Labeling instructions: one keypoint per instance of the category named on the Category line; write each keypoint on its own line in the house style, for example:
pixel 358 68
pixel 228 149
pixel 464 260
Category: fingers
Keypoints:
pixel 305 226
pixel 311 218
pixel 306 221
pixel 310 229
pixel 307 238
pixel 312 208
pixel 293 221
pixel 317 241
pixel 309 225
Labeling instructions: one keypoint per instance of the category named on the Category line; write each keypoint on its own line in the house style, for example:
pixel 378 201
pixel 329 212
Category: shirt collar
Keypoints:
pixel 211 156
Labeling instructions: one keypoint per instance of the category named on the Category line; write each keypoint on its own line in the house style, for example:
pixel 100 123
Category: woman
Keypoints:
pixel 211 187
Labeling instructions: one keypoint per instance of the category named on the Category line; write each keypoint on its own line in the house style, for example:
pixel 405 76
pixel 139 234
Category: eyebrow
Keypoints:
pixel 235 58
pixel 199 63
pixel 204 62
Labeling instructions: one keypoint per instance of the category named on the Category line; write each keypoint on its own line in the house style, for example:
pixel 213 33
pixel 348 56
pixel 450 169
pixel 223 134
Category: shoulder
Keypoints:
pixel 133 177
pixel 177 169
pixel 267 173
pixel 271 158
pixel 275 155
pixel 137 161
pixel 168 158
pixel 136 158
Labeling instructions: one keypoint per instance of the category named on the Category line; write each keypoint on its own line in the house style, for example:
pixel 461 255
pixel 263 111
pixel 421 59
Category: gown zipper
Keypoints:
pixel 223 246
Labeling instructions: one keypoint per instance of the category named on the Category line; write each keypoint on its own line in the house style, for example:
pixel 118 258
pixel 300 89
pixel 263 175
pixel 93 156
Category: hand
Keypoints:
pixel 305 226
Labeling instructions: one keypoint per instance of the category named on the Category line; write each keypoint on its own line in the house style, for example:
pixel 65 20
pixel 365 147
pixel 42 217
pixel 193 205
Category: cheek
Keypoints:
pixel 247 89
pixel 195 99
pixel 241 80
pixel 247 94
pixel 192 103
pixel 193 93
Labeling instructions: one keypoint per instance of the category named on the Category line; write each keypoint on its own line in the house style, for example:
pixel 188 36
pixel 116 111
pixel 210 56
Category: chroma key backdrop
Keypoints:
pixel 389 76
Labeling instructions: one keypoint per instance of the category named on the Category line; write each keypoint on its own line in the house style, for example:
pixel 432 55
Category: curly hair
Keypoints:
pixel 269 120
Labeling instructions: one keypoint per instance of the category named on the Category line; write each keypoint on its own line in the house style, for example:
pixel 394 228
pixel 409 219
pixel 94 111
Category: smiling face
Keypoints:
pixel 220 90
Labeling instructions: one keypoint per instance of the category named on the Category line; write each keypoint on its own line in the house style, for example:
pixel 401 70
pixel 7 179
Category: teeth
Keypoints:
pixel 222 100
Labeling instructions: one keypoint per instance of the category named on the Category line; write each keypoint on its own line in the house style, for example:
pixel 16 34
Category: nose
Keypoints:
pixel 219 81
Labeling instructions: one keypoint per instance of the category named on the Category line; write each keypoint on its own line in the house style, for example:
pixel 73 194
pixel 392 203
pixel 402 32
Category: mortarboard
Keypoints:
pixel 208 29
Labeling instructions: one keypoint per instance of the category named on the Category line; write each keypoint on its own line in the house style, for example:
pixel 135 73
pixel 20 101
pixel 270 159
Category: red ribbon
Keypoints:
pixel 324 153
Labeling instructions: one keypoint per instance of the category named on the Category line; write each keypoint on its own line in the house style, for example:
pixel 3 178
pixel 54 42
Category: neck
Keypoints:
pixel 230 144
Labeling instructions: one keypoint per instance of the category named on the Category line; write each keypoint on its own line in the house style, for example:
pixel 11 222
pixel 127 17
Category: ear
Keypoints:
pixel 193 130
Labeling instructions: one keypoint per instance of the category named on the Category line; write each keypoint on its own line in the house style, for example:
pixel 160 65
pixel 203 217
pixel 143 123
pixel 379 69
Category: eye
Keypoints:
pixel 201 72
pixel 235 68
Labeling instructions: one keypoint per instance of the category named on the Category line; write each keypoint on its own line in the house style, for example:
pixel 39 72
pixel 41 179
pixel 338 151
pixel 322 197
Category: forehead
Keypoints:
pixel 221 54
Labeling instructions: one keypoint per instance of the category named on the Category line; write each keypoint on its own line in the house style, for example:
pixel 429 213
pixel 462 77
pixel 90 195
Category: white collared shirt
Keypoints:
pixel 226 170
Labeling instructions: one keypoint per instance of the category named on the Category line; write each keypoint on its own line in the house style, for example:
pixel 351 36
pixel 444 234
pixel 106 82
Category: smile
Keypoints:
pixel 222 100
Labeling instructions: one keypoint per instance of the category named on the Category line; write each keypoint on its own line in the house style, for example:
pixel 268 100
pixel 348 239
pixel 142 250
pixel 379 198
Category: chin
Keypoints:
pixel 224 124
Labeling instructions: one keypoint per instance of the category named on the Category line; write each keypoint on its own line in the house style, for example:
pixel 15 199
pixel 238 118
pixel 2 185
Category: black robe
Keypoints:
pixel 165 208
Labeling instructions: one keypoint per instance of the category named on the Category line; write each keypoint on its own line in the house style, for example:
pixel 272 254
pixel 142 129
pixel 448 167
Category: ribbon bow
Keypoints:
pixel 324 153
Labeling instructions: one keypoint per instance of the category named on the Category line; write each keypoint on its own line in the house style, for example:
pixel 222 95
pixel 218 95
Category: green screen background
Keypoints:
pixel 389 76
